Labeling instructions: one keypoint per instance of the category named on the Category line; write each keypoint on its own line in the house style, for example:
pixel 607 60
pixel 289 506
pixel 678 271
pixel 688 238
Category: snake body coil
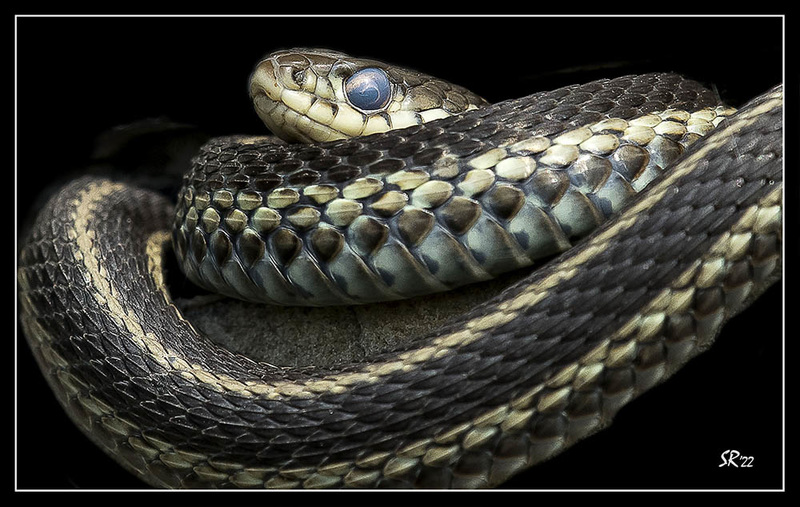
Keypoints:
pixel 466 403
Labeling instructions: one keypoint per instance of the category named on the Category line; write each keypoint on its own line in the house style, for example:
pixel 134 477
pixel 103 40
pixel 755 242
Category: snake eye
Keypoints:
pixel 368 89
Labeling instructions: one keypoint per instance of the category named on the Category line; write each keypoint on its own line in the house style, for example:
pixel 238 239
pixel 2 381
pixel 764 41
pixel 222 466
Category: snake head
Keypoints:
pixel 313 95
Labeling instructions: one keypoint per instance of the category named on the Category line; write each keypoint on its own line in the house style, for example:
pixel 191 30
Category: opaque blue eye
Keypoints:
pixel 368 89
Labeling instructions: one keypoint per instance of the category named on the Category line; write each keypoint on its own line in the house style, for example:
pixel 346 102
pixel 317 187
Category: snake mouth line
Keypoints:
pixel 278 116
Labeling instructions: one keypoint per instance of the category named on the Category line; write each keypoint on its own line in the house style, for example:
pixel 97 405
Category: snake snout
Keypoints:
pixel 264 81
pixel 265 92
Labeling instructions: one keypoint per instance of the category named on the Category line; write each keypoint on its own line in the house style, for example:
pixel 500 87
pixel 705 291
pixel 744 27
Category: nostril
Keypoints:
pixel 299 75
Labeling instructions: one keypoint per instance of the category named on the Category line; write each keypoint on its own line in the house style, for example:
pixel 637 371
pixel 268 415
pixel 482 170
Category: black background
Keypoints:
pixel 77 77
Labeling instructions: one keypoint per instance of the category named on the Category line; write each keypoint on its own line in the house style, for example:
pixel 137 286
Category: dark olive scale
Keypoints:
pixel 226 155
pixel 285 244
pixel 247 157
pixel 288 166
pixel 485 130
pixel 220 246
pixel 310 153
pixel 503 137
pixel 633 100
pixel 324 162
pixel 386 166
pixel 237 182
pixel 268 153
pixel 679 329
pixel 198 245
pixel 341 174
pixel 465 148
pixel 431 136
pixel 598 106
pixel 664 97
pixel 504 201
pixel 414 224
pixel 618 382
pixel 460 214
pixel 590 172
pixel 363 158
pixel 541 126
pixel 549 186
pixel 738 275
pixel 347 148
pixel 766 248
pixel 709 300
pixel 255 167
pixel 427 156
pixel 250 247
pixel 303 178
pixel 405 150
pixel 231 167
pixel 629 160
pixel 387 140
pixel 367 234
pixel 447 139
pixel 326 242
pixel 267 182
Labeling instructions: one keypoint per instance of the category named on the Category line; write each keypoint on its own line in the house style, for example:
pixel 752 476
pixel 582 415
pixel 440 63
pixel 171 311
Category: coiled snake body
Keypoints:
pixel 475 393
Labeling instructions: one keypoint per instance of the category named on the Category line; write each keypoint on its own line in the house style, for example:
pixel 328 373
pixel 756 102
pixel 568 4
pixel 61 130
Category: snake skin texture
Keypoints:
pixel 508 384
pixel 427 209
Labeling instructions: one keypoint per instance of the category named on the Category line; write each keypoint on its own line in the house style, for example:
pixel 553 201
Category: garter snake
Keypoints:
pixel 574 371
